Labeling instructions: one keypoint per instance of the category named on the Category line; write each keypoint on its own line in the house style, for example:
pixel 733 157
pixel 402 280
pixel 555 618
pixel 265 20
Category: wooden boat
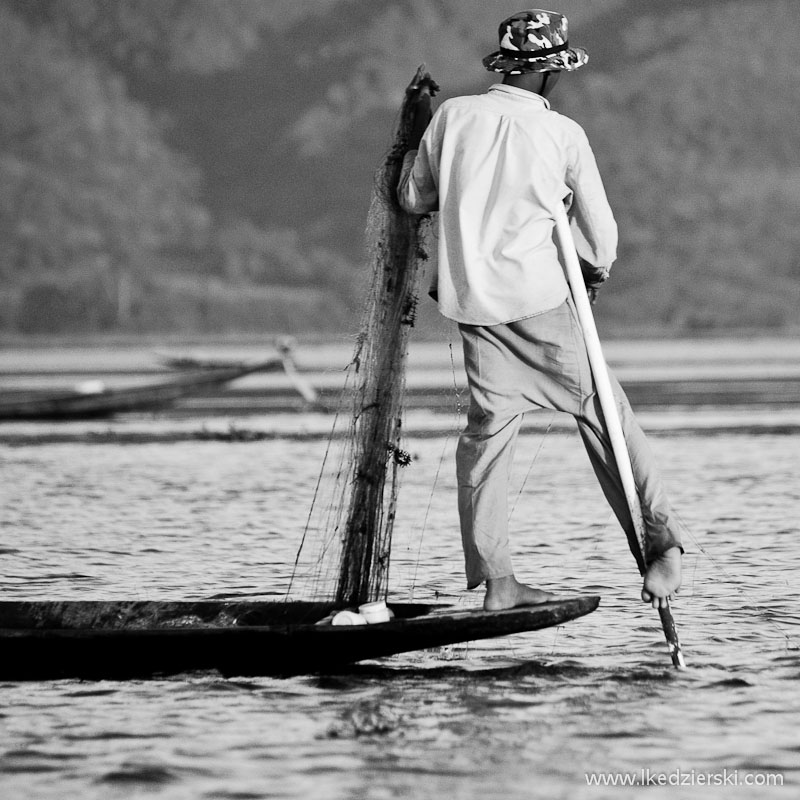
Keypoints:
pixel 119 640
pixel 284 348
pixel 191 362
pixel 83 639
pixel 98 401
pixel 198 361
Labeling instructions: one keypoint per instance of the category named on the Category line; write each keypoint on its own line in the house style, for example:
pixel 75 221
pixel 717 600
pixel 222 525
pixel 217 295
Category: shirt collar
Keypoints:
pixel 515 91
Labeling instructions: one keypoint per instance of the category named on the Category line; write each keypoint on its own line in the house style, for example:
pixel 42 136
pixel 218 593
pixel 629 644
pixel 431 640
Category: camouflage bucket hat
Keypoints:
pixel 534 41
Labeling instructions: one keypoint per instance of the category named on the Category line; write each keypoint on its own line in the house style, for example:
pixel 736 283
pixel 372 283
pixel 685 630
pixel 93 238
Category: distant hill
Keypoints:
pixel 694 132
pixel 690 106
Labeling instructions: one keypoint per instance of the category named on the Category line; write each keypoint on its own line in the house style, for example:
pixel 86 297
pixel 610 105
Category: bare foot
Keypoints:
pixel 508 592
pixel 663 578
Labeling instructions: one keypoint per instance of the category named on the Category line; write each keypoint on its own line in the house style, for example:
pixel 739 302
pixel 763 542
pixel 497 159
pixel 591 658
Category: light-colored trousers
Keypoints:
pixel 541 362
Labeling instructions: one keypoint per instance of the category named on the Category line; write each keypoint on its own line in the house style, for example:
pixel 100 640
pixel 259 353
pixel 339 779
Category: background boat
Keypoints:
pixel 92 398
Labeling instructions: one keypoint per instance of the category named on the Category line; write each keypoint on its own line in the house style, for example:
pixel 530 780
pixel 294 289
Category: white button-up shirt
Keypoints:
pixel 495 166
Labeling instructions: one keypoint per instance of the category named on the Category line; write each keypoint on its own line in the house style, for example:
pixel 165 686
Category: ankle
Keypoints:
pixel 504 583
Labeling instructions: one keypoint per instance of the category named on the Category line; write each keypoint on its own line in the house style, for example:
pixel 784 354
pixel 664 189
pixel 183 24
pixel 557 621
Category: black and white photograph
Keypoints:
pixel 399 399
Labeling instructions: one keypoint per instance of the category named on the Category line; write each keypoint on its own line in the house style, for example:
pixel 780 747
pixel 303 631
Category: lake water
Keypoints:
pixel 523 717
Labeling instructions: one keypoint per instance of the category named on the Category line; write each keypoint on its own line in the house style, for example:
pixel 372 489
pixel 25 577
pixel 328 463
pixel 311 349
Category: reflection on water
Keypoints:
pixel 519 718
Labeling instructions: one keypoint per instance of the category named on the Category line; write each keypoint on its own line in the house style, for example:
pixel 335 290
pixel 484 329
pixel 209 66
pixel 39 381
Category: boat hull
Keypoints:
pixel 122 640
pixel 73 405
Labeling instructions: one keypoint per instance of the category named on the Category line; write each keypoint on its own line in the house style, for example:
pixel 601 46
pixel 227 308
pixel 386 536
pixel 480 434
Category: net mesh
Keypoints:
pixel 354 510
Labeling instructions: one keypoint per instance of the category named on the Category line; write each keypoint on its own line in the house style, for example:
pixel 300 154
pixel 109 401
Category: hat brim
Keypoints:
pixel 567 60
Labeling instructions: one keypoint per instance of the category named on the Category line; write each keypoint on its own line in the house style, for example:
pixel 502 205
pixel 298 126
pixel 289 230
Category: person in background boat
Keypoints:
pixel 495 166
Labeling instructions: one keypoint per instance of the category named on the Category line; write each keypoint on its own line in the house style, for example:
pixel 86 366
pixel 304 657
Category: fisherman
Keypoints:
pixel 495 166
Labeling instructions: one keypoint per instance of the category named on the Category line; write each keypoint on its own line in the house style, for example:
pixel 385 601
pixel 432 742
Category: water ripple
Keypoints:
pixel 510 717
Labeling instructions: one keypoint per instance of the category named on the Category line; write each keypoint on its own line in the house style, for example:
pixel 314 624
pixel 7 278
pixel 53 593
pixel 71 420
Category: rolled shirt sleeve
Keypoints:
pixel 416 190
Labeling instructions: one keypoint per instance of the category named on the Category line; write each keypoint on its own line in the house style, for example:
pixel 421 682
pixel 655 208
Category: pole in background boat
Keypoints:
pixel 608 404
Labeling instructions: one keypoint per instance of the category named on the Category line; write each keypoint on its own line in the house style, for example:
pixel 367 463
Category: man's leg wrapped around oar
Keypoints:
pixel 534 363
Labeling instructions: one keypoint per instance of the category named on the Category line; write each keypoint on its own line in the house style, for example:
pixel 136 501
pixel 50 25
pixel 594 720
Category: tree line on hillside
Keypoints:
pixel 205 165
pixel 100 215
pixel 690 108
pixel 694 128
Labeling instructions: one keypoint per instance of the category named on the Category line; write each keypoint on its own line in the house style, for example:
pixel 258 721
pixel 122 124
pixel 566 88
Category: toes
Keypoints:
pixel 655 600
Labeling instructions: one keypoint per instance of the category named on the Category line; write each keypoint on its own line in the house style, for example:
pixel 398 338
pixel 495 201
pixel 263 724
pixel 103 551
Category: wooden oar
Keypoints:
pixel 608 404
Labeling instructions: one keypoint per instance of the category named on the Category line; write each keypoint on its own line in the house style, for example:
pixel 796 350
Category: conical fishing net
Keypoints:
pixel 362 483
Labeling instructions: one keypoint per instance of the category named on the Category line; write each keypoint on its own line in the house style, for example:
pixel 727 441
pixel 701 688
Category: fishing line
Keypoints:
pixel 311 510
pixel 317 575
pixel 456 390
pixel 555 640
pixel 425 518
pixel 533 461
pixel 455 426
pixel 790 641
